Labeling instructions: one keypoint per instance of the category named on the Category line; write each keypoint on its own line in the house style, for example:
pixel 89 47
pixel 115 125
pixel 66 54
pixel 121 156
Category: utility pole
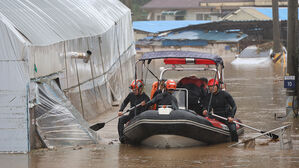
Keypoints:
pixel 292 45
pixel 276 30
pixel 291 41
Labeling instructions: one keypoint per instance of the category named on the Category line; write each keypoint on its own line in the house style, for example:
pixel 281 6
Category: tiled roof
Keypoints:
pixel 246 14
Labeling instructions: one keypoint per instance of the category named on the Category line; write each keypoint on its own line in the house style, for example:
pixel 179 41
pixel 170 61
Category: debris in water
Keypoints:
pixel 77 147
pixel 249 143
pixel 197 162
pixel 265 143
pixel 97 149
pixel 52 148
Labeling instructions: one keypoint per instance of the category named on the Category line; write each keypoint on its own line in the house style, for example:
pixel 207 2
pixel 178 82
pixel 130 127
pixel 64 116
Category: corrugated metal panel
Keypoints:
pixel 47 22
pixel 161 26
pixel 184 43
pixel 209 36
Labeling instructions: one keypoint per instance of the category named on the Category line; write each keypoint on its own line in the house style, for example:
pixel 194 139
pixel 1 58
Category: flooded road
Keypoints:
pixel 259 94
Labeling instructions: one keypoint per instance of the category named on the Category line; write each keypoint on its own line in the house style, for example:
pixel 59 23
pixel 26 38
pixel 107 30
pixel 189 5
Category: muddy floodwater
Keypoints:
pixel 259 94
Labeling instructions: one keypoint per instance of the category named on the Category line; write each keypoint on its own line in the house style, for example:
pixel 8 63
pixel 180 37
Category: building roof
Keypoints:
pixel 283 12
pixel 203 35
pixel 184 4
pixel 256 13
pixel 162 26
pixel 48 22
pixel 246 14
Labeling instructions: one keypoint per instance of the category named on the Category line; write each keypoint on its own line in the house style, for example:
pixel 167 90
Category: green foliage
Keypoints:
pixel 138 13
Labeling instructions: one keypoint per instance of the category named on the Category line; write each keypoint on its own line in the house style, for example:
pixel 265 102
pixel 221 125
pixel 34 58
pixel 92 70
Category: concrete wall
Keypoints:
pixel 140 35
pixel 190 14
pixel 237 4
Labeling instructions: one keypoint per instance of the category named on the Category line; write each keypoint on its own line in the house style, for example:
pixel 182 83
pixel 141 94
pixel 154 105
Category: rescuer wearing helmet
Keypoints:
pixel 166 98
pixel 161 87
pixel 137 96
pixel 223 105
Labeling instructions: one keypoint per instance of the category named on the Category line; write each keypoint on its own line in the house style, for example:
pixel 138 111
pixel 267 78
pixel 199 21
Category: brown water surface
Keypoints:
pixel 259 94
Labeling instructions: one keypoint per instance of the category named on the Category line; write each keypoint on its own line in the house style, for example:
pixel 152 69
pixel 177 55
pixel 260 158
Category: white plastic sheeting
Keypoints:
pixel 36 36
pixel 58 122
pixel 13 90
pixel 46 22
pixel 52 26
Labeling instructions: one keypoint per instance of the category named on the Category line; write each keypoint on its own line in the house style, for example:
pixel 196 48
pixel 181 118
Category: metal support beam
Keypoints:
pixel 292 42
pixel 276 30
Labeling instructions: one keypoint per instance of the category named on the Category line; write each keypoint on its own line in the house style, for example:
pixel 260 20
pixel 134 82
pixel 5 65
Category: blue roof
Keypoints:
pixel 203 35
pixel 283 12
pixel 161 26
pixel 184 42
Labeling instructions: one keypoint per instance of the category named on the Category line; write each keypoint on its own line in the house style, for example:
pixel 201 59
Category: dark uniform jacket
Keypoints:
pixel 135 100
pixel 165 98
pixel 196 96
pixel 222 104
pixel 158 91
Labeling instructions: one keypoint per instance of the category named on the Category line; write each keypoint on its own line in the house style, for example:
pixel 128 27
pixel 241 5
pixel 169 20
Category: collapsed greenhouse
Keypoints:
pixel 62 63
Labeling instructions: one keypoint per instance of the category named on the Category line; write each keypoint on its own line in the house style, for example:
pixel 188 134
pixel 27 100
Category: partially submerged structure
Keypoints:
pixel 86 47
pixel 187 38
pixel 144 29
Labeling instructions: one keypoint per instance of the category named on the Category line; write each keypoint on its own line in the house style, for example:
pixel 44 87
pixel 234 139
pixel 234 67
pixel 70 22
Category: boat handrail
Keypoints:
pixel 163 70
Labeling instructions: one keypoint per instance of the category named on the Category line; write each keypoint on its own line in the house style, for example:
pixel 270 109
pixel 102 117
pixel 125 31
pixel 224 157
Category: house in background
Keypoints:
pixel 143 29
pixel 226 44
pixel 246 14
pixel 199 9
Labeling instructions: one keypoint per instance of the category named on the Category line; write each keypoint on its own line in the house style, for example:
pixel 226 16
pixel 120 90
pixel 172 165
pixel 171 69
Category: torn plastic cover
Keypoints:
pixel 58 123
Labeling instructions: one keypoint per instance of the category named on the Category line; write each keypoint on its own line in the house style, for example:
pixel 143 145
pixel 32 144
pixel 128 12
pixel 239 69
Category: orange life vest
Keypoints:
pixel 154 89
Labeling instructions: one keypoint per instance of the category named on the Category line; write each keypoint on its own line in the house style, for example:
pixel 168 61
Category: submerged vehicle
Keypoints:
pixel 165 127
pixel 252 55
pixel 260 55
